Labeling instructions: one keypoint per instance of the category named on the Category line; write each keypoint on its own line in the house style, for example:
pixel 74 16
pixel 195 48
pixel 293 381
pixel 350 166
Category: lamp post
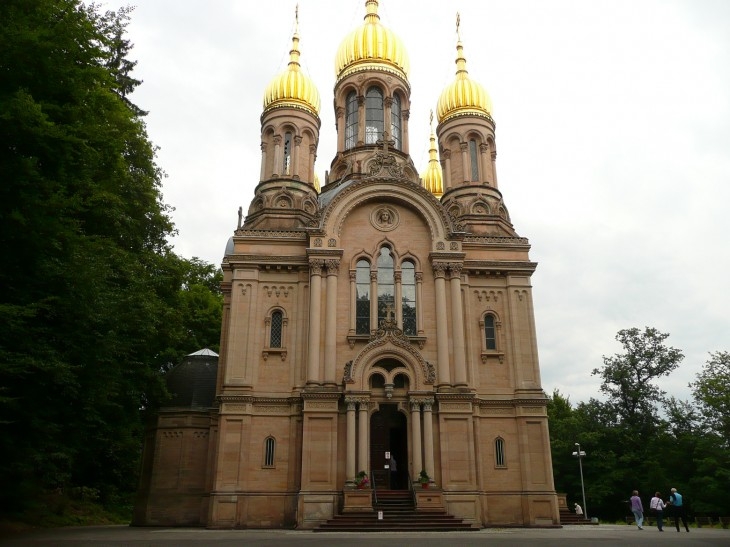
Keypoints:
pixel 580 454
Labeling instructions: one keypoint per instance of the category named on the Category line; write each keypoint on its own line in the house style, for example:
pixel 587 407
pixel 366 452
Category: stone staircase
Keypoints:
pixel 569 518
pixel 399 515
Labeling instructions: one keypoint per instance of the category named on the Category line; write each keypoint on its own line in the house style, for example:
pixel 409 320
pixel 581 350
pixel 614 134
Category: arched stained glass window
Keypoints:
pixel 373 115
pixel 277 321
pixel 395 121
pixel 408 285
pixel 362 297
pixel 386 285
pixel 351 118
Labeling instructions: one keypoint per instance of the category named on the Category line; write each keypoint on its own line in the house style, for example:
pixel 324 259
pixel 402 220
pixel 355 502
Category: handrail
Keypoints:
pixel 413 491
pixel 375 490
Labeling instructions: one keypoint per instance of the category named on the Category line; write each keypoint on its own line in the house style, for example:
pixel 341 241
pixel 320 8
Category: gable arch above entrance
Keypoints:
pixel 391 345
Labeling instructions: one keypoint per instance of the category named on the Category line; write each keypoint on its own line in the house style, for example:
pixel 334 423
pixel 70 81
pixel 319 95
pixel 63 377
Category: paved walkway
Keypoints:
pixel 593 536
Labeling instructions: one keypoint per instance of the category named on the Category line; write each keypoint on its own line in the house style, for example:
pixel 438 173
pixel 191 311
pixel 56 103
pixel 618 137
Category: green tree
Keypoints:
pixel 90 291
pixel 628 379
pixel 711 391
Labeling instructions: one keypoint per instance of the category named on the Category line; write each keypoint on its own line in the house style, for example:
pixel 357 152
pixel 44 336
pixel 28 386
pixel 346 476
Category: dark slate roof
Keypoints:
pixel 192 382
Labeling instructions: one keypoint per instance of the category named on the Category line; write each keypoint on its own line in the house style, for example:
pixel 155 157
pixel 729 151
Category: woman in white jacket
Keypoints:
pixel 657 505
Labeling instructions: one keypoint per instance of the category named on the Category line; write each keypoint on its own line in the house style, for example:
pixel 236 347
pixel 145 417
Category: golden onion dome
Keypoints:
pixel 463 95
pixel 317 184
pixel 292 88
pixel 433 177
pixel 372 47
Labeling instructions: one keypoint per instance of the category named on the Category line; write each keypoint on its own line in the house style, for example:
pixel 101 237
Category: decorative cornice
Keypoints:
pixel 271 234
pixel 497 240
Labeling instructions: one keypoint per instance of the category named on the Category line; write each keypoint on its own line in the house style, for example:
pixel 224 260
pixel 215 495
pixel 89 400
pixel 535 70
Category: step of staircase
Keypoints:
pixel 399 514
pixel 570 518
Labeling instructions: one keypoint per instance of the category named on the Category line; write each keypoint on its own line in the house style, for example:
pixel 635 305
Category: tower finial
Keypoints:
pixel 430 121
pixel 458 24
pixel 296 19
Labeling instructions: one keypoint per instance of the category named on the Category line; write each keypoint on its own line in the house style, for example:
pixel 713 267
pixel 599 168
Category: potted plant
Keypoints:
pixel 361 480
pixel 424 479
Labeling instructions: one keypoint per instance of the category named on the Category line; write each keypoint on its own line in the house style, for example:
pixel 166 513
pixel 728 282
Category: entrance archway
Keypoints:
pixel 389 437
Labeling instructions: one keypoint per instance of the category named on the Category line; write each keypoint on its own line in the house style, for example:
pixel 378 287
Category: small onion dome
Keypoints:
pixel 463 96
pixel 433 178
pixel 292 88
pixel 371 47
pixel 317 185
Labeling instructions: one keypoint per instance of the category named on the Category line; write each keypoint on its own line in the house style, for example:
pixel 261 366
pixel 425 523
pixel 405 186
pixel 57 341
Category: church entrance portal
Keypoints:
pixel 389 437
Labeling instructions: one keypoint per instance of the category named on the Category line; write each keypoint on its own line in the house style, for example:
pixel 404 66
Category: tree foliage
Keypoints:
pixel 638 438
pixel 93 301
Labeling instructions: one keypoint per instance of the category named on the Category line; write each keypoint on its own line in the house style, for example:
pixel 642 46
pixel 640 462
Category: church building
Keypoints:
pixel 380 325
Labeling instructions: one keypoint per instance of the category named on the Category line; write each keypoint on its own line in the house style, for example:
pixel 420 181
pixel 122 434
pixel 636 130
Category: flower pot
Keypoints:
pixel 424 485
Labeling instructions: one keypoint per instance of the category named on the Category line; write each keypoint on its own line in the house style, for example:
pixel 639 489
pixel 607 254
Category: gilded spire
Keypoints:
pixel 433 179
pixel 463 96
pixel 292 88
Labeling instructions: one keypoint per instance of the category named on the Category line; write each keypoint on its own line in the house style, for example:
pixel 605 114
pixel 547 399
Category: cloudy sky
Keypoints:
pixel 613 130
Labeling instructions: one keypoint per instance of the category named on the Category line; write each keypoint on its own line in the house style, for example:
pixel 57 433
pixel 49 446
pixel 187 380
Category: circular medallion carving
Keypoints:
pixel 384 219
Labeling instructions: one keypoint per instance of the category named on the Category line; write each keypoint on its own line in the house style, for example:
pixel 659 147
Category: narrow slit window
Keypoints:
pixel 386 285
pixel 269 450
pixel 287 153
pixel 395 121
pixel 499 458
pixel 474 160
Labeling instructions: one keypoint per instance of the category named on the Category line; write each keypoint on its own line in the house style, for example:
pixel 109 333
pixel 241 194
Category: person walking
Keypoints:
pixel 678 509
pixel 657 505
pixel 637 509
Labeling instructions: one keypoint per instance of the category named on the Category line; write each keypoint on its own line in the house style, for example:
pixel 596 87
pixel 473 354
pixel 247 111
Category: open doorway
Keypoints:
pixel 389 448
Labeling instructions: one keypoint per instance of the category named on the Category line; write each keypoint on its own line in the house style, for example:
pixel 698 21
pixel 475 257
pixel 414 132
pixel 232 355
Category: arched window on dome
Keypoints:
pixel 395 121
pixel 474 160
pixel 373 115
pixel 286 167
pixel 362 297
pixel 351 117
pixel 386 285
pixel 408 288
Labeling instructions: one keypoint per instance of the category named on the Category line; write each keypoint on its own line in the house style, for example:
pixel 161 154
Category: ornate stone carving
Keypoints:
pixel 440 246
pixel 385 219
pixel 347 376
pixel 317 241
pixel 333 266
pixel 332 242
pixel 439 269
pixel 316 265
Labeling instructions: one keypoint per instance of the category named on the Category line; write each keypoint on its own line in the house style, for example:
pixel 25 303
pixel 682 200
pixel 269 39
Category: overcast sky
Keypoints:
pixel 613 131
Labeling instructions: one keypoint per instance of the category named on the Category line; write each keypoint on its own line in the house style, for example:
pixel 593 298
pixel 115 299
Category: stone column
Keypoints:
pixel 277 156
pixel 374 300
pixel 353 301
pixel 360 120
pixel 428 437
pixel 263 160
pixel 295 158
pixel 330 323
pixel 362 440
pixel 419 303
pixel 494 169
pixel 486 168
pixel 446 168
pixel 399 299
pixel 416 438
pixel 457 326
pixel 315 305
pixel 466 173
pixel 340 125
pixel 442 334
pixel 310 166
pixel 350 470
